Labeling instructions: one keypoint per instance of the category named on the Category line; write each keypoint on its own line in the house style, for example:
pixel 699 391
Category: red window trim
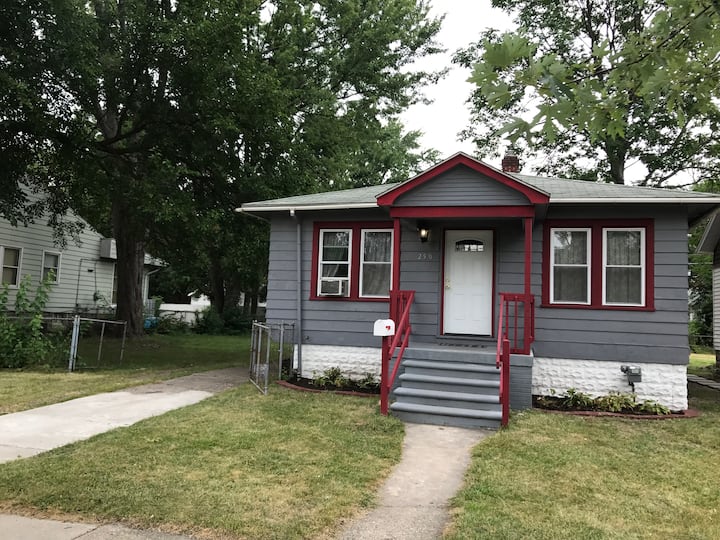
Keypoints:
pixel 596 227
pixel 356 227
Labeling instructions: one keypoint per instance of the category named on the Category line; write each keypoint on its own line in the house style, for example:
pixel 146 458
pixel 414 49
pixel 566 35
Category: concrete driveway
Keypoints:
pixel 32 432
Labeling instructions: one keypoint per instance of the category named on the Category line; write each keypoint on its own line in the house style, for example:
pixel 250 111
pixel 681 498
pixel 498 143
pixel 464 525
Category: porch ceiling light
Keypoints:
pixel 423 232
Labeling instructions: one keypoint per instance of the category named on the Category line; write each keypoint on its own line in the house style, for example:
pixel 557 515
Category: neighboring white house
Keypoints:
pixel 85 271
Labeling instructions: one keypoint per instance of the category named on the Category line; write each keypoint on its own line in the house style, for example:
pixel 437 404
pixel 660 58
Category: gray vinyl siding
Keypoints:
pixel 462 186
pixel 612 335
pixel 82 273
pixel 327 321
pixel 658 336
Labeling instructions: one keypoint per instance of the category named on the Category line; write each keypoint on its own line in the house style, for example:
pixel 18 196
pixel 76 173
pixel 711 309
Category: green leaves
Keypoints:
pixel 626 80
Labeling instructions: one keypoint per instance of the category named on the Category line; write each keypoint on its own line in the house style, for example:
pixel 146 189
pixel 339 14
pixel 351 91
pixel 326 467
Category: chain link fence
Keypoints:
pixel 271 352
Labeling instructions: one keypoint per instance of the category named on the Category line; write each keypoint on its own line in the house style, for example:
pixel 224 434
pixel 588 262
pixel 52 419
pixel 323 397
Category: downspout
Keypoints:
pixel 298 288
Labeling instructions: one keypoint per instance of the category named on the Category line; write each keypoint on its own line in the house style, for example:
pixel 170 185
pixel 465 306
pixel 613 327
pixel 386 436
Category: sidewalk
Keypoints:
pixel 32 432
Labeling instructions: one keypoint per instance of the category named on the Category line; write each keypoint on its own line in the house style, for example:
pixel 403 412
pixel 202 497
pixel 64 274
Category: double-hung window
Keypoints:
pixel 376 263
pixel 570 266
pixel 335 260
pixel 599 264
pixel 51 266
pixel 353 261
pixel 623 267
pixel 10 259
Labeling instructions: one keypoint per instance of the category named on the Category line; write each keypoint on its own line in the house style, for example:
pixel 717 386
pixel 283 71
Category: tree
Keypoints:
pixel 153 116
pixel 606 83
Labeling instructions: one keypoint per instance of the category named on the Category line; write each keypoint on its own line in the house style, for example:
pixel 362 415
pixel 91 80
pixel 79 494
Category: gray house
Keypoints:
pixel 84 271
pixel 571 282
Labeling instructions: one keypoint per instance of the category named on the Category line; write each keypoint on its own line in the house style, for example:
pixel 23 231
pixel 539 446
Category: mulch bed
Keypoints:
pixel 689 413
pixel 305 385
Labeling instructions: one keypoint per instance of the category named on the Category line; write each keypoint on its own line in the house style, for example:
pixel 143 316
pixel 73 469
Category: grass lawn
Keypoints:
pixel 703 365
pixel 150 359
pixel 238 465
pixel 552 476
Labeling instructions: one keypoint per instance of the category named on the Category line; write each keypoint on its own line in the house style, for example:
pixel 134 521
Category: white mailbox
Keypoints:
pixel 384 327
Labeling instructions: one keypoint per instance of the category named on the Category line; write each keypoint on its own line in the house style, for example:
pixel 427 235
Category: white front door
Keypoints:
pixel 468 286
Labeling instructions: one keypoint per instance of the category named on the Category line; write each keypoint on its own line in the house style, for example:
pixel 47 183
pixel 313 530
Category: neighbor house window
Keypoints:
pixel 10 258
pixel 599 264
pixel 570 262
pixel 51 266
pixel 352 260
pixel 624 267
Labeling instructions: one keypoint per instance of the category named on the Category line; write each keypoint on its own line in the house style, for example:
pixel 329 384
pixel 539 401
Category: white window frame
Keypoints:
pixel 587 265
pixel 362 262
pixel 321 262
pixel 3 266
pixel 57 270
pixel 642 266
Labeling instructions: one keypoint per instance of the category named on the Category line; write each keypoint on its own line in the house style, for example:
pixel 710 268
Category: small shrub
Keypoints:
pixel 330 377
pixel 209 321
pixel 615 402
pixel 369 381
pixel 22 341
pixel 577 400
pixel 173 326
pixel 235 321
pixel 652 407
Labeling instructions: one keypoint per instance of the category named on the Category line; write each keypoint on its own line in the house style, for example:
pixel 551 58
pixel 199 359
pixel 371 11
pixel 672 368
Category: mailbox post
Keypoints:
pixel 384 328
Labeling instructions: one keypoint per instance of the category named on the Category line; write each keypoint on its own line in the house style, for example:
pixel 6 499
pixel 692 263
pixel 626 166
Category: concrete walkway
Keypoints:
pixel 32 432
pixel 414 499
pixel 702 381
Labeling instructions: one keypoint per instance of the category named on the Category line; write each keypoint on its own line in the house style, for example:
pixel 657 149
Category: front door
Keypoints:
pixel 468 288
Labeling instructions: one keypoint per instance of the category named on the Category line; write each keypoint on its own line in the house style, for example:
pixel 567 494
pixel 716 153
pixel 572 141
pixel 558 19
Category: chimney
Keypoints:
pixel 510 163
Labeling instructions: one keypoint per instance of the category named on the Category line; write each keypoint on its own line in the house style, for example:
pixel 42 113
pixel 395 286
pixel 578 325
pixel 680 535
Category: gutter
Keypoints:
pixel 639 200
pixel 298 286
pixel 286 208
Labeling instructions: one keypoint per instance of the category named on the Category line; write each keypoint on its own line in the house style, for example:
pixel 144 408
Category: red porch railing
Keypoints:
pixel 400 302
pixel 513 339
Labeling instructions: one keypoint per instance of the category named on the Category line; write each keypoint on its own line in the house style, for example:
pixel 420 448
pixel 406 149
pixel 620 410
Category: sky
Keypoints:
pixel 448 114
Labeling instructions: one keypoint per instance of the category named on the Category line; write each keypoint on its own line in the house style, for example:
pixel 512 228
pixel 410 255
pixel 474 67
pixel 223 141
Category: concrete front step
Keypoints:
pixel 446 416
pixel 449 384
pixel 461 400
pixel 453 369
pixel 468 355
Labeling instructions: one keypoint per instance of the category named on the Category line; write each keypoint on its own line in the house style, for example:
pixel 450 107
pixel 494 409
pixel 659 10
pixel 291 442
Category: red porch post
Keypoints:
pixel 527 319
pixel 397 231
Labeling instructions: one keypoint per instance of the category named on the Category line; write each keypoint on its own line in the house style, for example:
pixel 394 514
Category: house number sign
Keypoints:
pixel 424 256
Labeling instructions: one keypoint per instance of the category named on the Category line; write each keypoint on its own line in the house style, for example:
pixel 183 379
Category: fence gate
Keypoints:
pixel 90 335
pixel 271 352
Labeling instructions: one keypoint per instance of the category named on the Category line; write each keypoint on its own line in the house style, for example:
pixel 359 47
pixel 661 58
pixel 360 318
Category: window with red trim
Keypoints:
pixel 600 264
pixel 352 261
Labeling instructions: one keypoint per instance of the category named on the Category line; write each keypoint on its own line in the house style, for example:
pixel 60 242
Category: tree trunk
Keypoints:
pixel 130 261
pixel 616 151
pixel 217 286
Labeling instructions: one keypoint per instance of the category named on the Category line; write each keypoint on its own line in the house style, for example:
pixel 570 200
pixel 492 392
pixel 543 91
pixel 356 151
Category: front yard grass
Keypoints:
pixel 703 365
pixel 238 465
pixel 554 476
pixel 146 360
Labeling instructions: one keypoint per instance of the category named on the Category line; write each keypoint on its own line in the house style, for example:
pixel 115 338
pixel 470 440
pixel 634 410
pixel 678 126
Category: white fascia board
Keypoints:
pixel 287 208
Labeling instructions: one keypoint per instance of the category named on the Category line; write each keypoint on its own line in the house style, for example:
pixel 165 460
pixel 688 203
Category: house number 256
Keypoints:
pixel 424 256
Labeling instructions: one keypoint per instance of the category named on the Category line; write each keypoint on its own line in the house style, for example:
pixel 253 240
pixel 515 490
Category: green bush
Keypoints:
pixel 232 322
pixel 170 325
pixel 209 321
pixel 22 341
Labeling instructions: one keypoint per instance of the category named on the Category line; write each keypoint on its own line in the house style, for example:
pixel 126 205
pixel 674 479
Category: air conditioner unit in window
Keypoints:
pixel 333 286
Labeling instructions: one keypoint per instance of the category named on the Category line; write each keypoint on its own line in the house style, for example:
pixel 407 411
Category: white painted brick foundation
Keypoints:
pixel 355 362
pixel 666 384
